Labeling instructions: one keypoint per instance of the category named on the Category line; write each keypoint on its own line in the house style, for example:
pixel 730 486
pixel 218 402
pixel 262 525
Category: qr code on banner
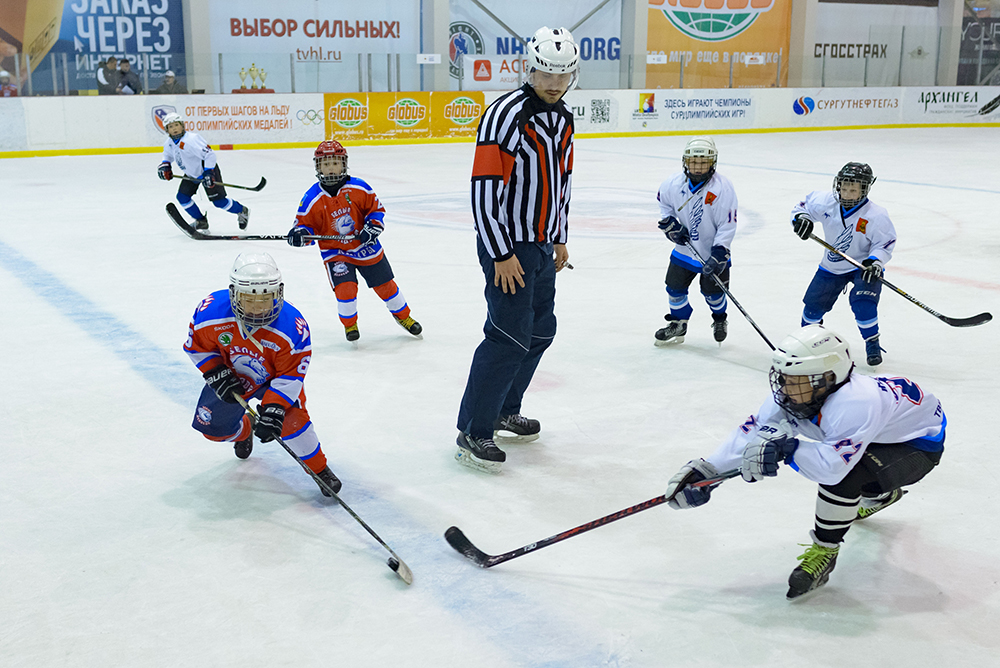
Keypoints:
pixel 600 111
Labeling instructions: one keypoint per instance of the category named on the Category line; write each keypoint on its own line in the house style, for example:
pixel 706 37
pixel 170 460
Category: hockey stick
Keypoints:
pixel 186 228
pixel 972 321
pixel 259 186
pixel 457 539
pixel 394 562
pixel 732 298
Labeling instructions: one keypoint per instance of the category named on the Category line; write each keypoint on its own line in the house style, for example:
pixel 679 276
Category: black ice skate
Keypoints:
pixel 818 562
pixel 873 350
pixel 481 454
pixel 201 223
pixel 326 475
pixel 720 327
pixel 516 428
pixel 352 332
pixel 673 333
pixel 245 447
pixel 871 506
pixel 410 325
pixel 244 217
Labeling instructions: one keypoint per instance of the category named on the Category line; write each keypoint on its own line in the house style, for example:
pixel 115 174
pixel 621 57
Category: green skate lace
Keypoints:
pixel 816 558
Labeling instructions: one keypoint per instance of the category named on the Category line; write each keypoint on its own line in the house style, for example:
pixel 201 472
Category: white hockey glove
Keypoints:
pixel 681 495
pixel 763 455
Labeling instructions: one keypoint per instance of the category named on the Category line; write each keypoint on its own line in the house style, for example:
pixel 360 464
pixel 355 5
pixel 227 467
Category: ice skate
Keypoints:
pixel 244 217
pixel 871 506
pixel 720 326
pixel 201 223
pixel 352 332
pixel 818 562
pixel 873 350
pixel 327 476
pixel 516 429
pixel 673 333
pixel 410 325
pixel 481 454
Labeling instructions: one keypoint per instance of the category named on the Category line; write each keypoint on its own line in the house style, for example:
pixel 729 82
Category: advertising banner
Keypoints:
pixel 979 53
pixel 346 116
pixel 150 35
pixel 832 107
pixel 694 110
pixel 595 110
pixel 718 43
pixel 456 114
pixel 959 104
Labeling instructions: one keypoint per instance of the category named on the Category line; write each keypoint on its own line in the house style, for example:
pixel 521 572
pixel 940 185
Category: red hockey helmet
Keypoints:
pixel 333 156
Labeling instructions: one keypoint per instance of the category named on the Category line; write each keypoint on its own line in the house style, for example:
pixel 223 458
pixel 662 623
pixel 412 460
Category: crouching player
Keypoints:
pixel 861 438
pixel 248 341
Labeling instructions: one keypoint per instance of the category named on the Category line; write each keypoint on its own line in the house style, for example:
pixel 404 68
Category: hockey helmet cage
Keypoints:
pixel 806 368
pixel 700 147
pixel 256 290
pixel 853 172
pixel 330 148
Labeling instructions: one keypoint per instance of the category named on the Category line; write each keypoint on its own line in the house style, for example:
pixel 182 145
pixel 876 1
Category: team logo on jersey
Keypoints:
pixel 344 224
pixel 862 224
pixel 159 113
pixel 250 367
pixel 302 327
pixel 407 112
pixel 712 20
pixel 463 110
pixel 349 113
pixel 225 338
pixel 710 197
pixel 464 40
pixel 803 106
pixel 204 415
pixel 206 302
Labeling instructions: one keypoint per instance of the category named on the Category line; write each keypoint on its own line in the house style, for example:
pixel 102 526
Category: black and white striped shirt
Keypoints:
pixel 522 172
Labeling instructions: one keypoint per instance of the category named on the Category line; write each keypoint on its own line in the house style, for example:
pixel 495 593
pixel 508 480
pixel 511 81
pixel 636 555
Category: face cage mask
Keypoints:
pixel 850 203
pixel 700 178
pixel 334 181
pixel 804 410
pixel 254 321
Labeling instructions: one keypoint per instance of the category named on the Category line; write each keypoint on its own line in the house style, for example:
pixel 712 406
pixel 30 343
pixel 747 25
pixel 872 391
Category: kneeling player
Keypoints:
pixel 340 204
pixel 249 342
pixel 197 160
pixel 861 438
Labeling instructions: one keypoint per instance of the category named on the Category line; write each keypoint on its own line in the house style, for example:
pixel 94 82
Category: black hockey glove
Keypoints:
pixel 165 172
pixel 270 423
pixel 208 178
pixel 803 225
pixel 716 263
pixel 369 233
pixel 297 237
pixel 872 272
pixel 680 496
pixel 224 382
pixel 674 230
pixel 762 456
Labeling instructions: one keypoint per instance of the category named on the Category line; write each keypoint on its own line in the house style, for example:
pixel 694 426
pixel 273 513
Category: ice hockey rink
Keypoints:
pixel 127 539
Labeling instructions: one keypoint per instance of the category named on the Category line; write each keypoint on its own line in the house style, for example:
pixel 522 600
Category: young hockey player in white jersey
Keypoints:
pixel 197 160
pixel 698 214
pixel 858 228
pixel 860 438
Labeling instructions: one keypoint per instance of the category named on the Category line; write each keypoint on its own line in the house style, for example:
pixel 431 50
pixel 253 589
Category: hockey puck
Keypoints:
pixel 393 563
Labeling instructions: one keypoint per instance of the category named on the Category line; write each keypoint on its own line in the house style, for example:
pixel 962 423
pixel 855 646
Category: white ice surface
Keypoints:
pixel 127 539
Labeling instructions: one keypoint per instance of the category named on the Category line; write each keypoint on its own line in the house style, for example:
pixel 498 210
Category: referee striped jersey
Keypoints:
pixel 522 173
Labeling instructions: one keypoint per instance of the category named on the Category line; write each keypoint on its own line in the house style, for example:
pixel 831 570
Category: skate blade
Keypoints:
pixel 668 342
pixel 466 458
pixel 511 437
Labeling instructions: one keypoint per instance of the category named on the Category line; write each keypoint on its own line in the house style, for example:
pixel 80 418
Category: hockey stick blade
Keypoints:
pixel 458 540
pixel 256 188
pixel 186 228
pixel 980 319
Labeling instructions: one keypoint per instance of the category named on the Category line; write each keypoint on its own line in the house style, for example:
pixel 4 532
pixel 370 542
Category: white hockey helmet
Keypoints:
pixel 4 74
pixel 555 52
pixel 171 118
pixel 255 290
pixel 820 361
pixel 700 147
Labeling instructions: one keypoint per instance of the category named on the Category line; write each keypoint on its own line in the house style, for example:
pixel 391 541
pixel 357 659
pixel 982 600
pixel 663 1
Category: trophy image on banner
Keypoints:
pixel 263 75
pixel 243 79
pixel 253 76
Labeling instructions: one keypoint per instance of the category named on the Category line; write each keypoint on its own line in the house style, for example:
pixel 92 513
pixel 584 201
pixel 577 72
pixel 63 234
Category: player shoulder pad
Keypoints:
pixel 358 183
pixel 216 306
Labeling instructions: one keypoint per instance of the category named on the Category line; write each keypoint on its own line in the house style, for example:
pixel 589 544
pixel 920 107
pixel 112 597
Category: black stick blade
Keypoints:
pixel 457 540
pixel 980 319
pixel 260 186
pixel 179 221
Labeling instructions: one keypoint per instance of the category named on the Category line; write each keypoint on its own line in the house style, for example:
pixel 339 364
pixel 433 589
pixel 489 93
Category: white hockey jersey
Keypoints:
pixel 866 233
pixel 866 410
pixel 192 154
pixel 709 215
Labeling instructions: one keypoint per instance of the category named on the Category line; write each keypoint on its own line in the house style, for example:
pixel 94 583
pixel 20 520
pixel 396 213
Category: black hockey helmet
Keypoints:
pixel 854 172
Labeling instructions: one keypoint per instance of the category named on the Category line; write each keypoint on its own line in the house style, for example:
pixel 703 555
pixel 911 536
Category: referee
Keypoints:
pixel 521 181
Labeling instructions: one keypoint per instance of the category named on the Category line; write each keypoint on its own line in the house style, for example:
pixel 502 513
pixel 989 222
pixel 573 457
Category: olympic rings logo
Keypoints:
pixel 309 117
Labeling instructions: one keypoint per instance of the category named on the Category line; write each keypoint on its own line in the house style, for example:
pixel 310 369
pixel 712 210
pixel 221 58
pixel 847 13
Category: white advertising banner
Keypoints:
pixel 832 107
pixel 972 104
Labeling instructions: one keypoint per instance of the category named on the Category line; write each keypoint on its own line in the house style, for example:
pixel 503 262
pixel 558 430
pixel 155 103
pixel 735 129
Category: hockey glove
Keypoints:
pixel 369 233
pixel 803 225
pixel 225 383
pixel 297 237
pixel 165 171
pixel 680 495
pixel 208 178
pixel 762 456
pixel 872 272
pixel 716 264
pixel 270 423
pixel 674 230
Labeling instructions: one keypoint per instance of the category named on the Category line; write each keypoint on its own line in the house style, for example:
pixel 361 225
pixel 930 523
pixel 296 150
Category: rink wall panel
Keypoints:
pixel 79 125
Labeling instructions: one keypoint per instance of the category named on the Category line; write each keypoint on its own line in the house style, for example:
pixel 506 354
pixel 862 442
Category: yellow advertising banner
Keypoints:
pixel 399 115
pixel 347 116
pixel 456 113
pixel 718 43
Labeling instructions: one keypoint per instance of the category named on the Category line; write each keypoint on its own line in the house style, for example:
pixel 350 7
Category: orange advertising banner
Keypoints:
pixel 456 113
pixel 399 115
pixel 347 116
pixel 718 43
pixel 405 116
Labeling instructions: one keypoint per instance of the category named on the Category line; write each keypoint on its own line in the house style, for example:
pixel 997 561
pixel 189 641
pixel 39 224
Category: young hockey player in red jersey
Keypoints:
pixel 340 204
pixel 248 341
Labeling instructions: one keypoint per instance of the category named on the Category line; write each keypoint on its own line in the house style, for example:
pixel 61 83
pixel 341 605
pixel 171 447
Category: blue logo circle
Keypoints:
pixel 803 106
